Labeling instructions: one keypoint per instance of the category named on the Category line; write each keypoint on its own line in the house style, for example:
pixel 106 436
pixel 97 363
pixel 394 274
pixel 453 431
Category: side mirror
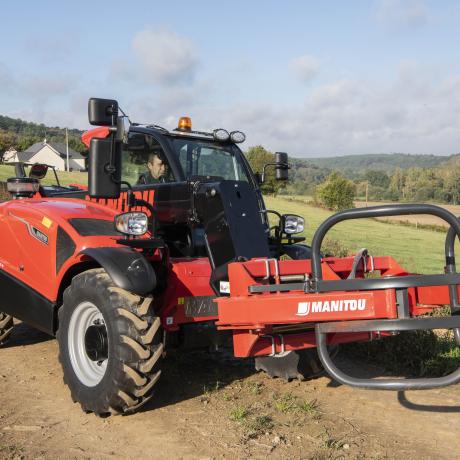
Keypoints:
pixel 258 178
pixel 104 168
pixel 102 112
pixel 282 166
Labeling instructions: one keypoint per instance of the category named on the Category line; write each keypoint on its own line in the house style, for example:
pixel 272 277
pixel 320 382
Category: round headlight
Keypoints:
pixel 293 224
pixel 237 137
pixel 221 135
pixel 132 223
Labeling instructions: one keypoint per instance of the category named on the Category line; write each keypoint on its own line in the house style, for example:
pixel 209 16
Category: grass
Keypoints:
pixel 65 178
pixel 418 250
pixel 418 353
pixel 260 424
pixel 239 414
pixel 309 407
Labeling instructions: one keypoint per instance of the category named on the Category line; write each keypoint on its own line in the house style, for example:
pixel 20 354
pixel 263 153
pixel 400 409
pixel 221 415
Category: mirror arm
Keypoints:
pixel 56 176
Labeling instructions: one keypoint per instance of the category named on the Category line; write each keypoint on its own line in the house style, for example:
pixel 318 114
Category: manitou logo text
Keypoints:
pixel 305 308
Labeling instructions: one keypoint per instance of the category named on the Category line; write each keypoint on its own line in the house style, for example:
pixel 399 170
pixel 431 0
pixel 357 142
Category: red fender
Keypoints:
pixel 100 132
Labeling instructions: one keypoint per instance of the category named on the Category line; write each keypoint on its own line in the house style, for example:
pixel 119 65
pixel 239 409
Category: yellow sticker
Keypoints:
pixel 47 222
pixel 180 301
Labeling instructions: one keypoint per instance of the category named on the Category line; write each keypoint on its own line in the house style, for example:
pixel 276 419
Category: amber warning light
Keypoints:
pixel 185 124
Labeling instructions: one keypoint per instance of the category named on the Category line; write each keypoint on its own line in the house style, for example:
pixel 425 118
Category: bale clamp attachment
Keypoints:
pixel 404 322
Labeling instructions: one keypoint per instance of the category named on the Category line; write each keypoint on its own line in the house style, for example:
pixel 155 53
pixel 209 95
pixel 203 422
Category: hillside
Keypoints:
pixel 387 162
pixel 22 134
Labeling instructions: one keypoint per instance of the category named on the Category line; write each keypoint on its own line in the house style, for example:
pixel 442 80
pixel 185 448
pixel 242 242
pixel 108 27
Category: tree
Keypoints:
pixel 377 178
pixel 336 193
pixel 258 157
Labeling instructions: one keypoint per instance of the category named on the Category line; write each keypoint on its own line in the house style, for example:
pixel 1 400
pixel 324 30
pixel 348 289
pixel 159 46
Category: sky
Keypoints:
pixel 305 77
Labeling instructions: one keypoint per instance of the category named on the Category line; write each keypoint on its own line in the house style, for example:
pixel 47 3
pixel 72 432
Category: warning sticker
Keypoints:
pixel 47 222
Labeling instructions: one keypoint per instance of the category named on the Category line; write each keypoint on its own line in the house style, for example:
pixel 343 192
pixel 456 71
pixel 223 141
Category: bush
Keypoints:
pixel 336 193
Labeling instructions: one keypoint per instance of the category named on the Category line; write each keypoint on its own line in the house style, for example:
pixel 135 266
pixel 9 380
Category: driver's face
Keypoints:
pixel 156 167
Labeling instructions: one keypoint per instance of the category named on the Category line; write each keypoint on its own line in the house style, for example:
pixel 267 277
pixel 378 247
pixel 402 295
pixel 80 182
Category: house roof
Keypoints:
pixel 58 147
pixel 25 156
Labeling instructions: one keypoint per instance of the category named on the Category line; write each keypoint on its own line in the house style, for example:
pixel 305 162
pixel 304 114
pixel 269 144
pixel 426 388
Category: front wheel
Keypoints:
pixel 6 327
pixel 110 345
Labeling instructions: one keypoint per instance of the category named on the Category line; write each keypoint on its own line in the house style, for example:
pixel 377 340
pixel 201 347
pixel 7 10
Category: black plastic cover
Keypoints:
pixel 102 183
pixel 102 112
pixel 233 225
pixel 65 247
pixel 128 269
pixel 94 227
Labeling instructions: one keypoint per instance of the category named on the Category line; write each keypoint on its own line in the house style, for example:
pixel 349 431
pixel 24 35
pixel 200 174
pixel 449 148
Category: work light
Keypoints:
pixel 22 187
pixel 237 137
pixel 221 135
pixel 293 224
pixel 132 223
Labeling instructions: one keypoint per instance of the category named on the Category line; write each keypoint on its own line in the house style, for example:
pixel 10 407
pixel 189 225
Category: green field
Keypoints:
pixel 65 178
pixel 417 250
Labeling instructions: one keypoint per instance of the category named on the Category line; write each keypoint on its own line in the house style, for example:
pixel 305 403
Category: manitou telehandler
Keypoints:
pixel 170 246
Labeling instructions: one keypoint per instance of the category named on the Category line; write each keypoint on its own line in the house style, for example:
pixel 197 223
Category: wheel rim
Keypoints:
pixel 88 344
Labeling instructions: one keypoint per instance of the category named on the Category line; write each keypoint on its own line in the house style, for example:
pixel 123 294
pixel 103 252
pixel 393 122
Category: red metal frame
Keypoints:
pixel 259 320
pixel 262 323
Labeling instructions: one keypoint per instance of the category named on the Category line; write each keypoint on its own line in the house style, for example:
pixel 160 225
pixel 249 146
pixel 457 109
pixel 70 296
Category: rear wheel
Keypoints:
pixel 6 327
pixel 110 345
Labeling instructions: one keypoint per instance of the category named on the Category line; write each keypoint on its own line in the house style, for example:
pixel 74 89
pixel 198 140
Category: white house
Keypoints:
pixel 50 153
pixel 10 155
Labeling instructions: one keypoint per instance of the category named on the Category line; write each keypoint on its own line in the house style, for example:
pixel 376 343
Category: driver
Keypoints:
pixel 156 170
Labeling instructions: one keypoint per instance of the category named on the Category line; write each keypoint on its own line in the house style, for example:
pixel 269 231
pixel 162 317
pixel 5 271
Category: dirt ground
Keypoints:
pixel 212 406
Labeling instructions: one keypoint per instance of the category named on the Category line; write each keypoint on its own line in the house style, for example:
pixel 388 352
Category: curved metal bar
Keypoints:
pixel 322 329
pixel 451 268
pixel 375 211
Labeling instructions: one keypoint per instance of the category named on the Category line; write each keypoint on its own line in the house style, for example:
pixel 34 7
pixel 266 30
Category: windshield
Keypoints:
pixel 207 159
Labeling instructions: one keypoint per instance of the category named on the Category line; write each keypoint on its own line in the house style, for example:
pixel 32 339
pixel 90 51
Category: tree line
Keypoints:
pixel 20 135
pixel 440 183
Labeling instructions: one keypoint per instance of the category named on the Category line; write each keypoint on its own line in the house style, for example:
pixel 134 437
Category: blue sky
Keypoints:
pixel 309 78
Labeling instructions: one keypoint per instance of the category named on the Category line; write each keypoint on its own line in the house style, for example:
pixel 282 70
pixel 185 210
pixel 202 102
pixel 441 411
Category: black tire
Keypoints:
pixel 133 345
pixel 299 364
pixel 6 327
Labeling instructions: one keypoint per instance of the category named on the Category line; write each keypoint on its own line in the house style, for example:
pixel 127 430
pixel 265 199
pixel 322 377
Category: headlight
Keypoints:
pixel 293 224
pixel 237 137
pixel 132 223
pixel 221 135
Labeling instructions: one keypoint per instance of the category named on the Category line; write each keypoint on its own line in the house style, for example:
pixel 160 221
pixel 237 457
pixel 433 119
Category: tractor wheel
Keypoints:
pixel 300 364
pixel 110 345
pixel 6 326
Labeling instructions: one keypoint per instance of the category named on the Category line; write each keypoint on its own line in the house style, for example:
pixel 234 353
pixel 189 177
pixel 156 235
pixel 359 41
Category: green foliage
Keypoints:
pixel 355 164
pixel 377 178
pixel 239 414
pixel 336 193
pixel 21 135
pixel 258 157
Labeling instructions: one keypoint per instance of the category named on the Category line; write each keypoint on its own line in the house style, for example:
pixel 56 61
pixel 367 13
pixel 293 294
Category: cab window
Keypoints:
pixel 144 161
pixel 201 158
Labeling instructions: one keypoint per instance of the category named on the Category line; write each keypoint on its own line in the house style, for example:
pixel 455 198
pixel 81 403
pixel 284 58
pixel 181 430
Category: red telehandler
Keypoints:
pixel 170 246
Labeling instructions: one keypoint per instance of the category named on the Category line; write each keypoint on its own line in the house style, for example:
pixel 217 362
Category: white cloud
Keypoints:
pixel 305 67
pixel 402 13
pixel 165 57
